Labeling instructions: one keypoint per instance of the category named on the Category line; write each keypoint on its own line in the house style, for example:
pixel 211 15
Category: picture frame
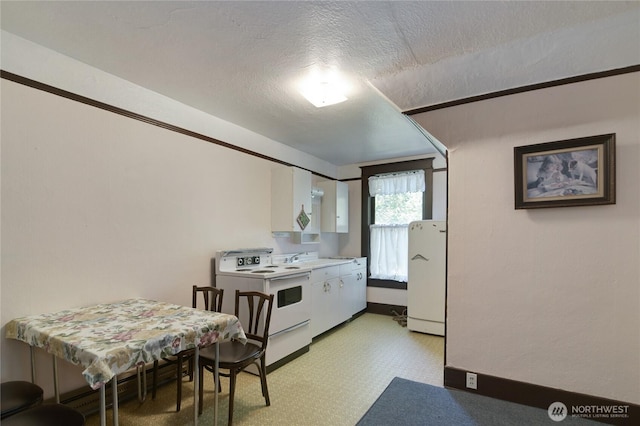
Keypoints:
pixel 573 172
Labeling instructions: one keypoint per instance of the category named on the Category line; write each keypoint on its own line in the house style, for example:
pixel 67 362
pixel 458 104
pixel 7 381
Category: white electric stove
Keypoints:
pixel 253 270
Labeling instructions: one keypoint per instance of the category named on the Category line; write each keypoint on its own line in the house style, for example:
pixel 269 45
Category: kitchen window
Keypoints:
pixel 398 201
pixel 393 195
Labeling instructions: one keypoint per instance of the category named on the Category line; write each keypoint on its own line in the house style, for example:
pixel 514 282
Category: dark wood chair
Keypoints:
pixel 46 414
pixel 254 310
pixel 17 396
pixel 211 300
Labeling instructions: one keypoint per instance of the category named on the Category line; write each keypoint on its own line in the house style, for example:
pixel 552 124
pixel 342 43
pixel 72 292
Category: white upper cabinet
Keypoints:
pixel 290 196
pixel 335 206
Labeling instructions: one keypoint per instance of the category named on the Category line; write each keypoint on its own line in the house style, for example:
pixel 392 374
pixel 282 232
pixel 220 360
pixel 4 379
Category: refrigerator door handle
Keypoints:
pixel 419 257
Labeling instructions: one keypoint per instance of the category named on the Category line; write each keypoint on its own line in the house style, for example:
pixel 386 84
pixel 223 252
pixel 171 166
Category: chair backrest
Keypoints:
pixel 255 319
pixel 211 296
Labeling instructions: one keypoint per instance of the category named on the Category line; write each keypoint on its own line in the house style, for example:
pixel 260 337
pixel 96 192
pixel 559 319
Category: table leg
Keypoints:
pixel 142 384
pixel 114 395
pixel 216 383
pixel 56 389
pixel 196 384
pixel 33 364
pixel 103 403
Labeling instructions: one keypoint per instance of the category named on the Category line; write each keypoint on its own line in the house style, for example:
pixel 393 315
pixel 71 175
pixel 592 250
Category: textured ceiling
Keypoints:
pixel 242 61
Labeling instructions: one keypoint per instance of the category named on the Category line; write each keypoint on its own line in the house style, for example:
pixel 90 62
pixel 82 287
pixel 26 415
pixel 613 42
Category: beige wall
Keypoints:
pixel 97 207
pixel 547 296
pixel 30 60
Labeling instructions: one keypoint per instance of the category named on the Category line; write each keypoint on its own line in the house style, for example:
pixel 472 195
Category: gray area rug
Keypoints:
pixel 405 402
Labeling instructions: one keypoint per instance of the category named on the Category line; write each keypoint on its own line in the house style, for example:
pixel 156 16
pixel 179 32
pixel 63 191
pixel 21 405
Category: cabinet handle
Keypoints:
pixel 341 283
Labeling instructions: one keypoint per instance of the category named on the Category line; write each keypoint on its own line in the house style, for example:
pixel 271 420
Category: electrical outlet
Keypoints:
pixel 472 380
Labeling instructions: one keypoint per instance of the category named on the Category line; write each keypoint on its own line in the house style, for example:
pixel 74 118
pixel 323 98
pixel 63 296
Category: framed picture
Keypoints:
pixel 574 172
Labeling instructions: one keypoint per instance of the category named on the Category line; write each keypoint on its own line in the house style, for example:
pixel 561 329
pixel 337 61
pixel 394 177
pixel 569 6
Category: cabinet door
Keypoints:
pixel 333 308
pixel 314 224
pixel 324 306
pixel 348 296
pixel 290 192
pixel 342 207
pixel 335 206
pixel 360 285
pixel 360 273
pixel 301 194
pixel 319 304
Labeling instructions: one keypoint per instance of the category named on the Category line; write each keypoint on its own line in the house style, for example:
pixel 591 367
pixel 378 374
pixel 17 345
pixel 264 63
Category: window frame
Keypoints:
pixel 368 206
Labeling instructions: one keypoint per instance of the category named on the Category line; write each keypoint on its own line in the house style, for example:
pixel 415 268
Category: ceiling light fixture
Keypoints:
pixel 324 90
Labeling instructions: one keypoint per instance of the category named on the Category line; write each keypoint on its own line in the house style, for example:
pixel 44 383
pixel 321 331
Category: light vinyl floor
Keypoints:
pixel 333 384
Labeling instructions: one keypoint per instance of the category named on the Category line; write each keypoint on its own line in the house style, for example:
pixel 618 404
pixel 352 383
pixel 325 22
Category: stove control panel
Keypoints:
pixel 247 261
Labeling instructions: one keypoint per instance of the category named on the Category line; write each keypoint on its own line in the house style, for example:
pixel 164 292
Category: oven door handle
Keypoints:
pixel 290 277
pixel 293 327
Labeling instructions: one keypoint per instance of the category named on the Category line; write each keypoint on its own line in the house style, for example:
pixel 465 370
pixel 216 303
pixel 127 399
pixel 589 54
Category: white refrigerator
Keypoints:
pixel 426 285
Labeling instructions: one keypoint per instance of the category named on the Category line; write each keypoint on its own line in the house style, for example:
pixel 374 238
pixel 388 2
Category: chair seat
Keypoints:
pixel 231 352
pixel 18 396
pixel 46 414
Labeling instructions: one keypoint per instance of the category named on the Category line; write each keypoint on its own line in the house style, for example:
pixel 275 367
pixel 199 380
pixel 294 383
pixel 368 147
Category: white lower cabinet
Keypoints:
pixel 325 299
pixel 338 293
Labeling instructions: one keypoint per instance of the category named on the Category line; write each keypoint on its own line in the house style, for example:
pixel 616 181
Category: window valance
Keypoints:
pixel 397 183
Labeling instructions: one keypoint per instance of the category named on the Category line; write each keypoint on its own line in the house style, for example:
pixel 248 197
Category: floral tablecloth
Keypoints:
pixel 109 339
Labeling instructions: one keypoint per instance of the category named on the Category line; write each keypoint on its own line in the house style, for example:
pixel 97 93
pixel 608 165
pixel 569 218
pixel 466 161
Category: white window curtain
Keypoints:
pixel 389 252
pixel 389 244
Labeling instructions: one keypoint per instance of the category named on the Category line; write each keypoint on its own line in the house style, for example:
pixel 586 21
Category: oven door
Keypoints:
pixel 291 302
